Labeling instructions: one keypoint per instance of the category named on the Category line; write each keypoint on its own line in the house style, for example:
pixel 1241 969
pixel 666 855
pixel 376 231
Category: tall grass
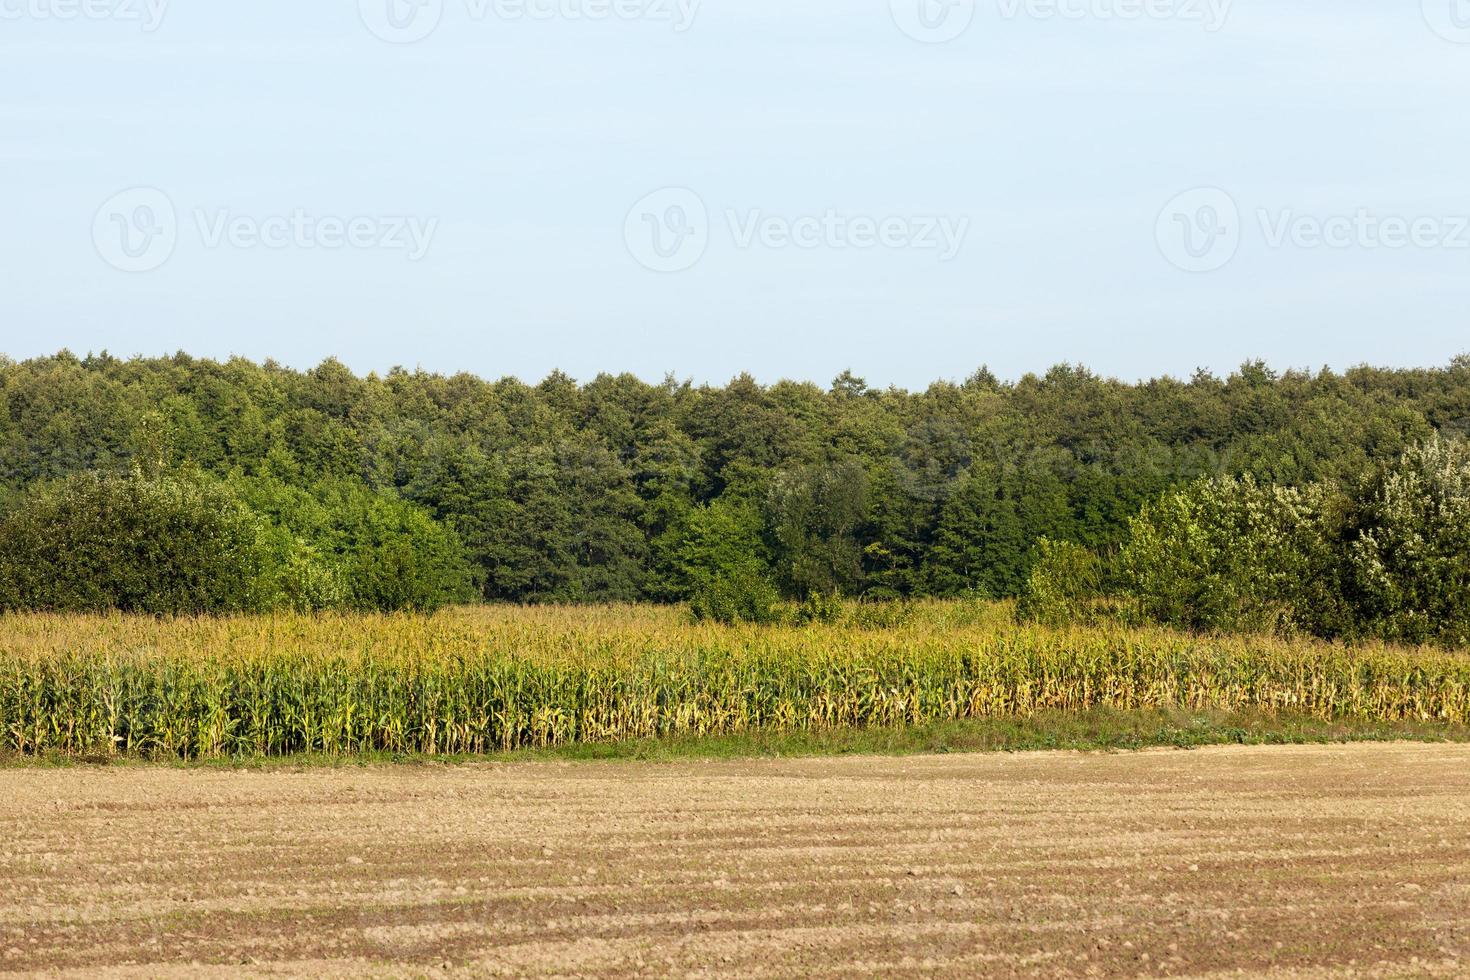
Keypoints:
pixel 480 680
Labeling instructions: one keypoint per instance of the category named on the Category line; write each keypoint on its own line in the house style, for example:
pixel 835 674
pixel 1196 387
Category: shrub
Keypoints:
pixel 397 557
pixel 1064 585
pixel 820 607
pixel 297 576
pixel 1232 555
pixel 879 614
pixel 174 544
pixel 739 596
pixel 1411 562
pixel 159 545
pixel 344 545
pixel 722 565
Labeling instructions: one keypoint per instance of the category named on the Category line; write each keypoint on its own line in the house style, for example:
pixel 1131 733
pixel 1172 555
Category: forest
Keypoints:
pixel 180 484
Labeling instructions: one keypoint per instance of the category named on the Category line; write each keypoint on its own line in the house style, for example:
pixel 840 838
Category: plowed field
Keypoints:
pixel 1297 862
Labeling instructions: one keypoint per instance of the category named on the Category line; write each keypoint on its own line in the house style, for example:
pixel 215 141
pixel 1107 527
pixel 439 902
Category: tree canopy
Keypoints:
pixel 611 490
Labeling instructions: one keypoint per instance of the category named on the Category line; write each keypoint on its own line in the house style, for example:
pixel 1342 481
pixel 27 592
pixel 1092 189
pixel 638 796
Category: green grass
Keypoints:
pixel 1095 730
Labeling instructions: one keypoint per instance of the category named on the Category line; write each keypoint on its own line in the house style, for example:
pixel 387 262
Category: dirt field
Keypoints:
pixel 1302 862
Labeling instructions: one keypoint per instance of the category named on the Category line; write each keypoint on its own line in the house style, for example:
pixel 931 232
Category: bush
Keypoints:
pixel 344 545
pixel 739 596
pixel 397 557
pixel 722 565
pixel 1232 555
pixel 176 544
pixel 1411 562
pixel 1064 585
pixel 161 545
pixel 879 614
pixel 297 576
pixel 820 607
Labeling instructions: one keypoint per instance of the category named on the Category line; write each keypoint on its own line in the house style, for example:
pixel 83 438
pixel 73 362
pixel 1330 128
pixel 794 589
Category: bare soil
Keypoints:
pixel 1292 862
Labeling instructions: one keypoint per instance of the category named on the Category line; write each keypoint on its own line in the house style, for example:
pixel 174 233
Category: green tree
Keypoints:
pixel 563 491
pixel 1412 560
pixel 343 544
pixel 1234 555
pixel 722 563
pixel 978 538
pixel 815 513
pixel 162 545
pixel 1065 582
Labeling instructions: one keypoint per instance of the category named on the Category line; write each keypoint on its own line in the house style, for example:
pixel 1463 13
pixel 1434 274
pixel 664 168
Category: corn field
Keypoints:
pixel 483 680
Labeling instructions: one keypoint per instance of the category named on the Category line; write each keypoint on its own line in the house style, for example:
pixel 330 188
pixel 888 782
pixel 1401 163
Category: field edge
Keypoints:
pixel 1096 730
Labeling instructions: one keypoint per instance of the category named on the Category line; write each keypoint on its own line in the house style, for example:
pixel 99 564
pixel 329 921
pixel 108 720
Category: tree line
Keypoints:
pixel 1387 557
pixel 411 489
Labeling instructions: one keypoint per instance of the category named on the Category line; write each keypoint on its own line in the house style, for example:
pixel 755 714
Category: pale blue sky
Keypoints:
pixel 518 147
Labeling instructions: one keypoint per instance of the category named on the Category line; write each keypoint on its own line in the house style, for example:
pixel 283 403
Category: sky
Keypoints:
pixel 908 189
